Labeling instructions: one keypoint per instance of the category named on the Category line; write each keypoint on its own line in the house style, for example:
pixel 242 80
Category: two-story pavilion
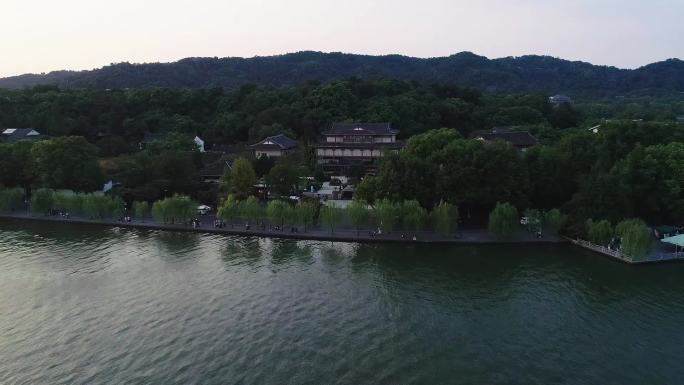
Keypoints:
pixel 348 148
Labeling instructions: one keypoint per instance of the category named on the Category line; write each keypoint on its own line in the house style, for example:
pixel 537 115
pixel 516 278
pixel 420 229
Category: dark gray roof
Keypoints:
pixel 278 142
pixel 516 138
pixel 12 135
pixel 361 129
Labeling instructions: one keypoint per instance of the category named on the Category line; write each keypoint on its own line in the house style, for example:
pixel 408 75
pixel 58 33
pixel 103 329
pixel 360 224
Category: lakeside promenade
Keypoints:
pixel 465 236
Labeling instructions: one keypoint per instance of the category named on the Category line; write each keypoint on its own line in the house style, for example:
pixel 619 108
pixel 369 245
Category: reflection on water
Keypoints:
pixel 96 305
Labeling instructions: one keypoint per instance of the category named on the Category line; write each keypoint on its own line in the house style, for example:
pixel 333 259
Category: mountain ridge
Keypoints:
pixel 528 73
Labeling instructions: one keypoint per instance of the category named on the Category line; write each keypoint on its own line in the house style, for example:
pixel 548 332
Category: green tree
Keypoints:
pixel 241 179
pixel 140 209
pixel 42 200
pixel 306 213
pixel 67 163
pixel 387 213
pixel 251 209
pixel 553 221
pixel 283 177
pixel 230 210
pixel 445 217
pixel 415 217
pixel 503 220
pixel 331 216
pixel 358 213
pixel 636 239
pixel 600 233
pixel 11 199
pixel 277 211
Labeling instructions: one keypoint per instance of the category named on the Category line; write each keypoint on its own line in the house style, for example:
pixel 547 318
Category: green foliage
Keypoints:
pixel 97 206
pixel 445 218
pixel 636 239
pixel 358 213
pixel 241 179
pixel 415 217
pixel 67 163
pixel 277 211
pixel 306 213
pixel 554 220
pixel 176 209
pixel 251 210
pixel 140 209
pixel 367 190
pixel 230 210
pixel 42 200
pixel 387 213
pixel 600 233
pixel 11 199
pixel 503 221
pixel 283 178
pixel 331 216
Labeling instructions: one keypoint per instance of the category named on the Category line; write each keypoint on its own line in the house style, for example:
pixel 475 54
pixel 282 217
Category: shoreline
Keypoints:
pixel 315 234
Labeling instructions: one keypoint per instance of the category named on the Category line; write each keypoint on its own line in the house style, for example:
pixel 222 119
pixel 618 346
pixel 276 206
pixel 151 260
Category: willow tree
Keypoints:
pixel 331 216
pixel 229 210
pixel 11 199
pixel 251 210
pixel 140 209
pixel 42 200
pixel 387 213
pixel 305 212
pixel 277 211
pixel 358 214
pixel 600 232
pixel 636 239
pixel 503 220
pixel 445 218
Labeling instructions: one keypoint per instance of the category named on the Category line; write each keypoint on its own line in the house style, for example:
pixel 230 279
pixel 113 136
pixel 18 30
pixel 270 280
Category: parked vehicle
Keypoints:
pixel 203 209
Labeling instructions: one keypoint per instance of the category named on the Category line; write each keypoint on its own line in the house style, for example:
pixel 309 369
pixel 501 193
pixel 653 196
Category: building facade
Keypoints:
pixel 355 148
pixel 274 146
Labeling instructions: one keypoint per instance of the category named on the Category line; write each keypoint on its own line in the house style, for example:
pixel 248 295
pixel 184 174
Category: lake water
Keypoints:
pixel 94 305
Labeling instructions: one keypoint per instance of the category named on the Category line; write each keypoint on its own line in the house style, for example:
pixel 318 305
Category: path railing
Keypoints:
pixel 603 250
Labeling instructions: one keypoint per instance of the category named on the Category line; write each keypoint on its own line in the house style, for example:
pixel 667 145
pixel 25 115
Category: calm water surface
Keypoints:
pixel 91 305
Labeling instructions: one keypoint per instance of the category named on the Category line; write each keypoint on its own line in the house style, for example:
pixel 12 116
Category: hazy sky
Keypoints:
pixel 45 35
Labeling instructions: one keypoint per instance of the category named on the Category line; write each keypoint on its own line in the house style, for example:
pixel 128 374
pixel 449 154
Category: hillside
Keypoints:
pixel 505 75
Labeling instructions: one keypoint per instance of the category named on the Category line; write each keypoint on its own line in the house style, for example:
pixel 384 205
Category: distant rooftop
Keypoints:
pixel 521 139
pixel 279 142
pixel 361 129
pixel 12 135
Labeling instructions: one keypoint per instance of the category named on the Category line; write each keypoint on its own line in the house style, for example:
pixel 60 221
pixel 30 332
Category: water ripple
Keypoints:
pixel 90 305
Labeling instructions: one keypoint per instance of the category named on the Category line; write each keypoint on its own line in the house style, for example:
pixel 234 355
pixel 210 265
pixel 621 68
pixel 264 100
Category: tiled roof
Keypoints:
pixel 516 138
pixel 12 135
pixel 280 142
pixel 361 129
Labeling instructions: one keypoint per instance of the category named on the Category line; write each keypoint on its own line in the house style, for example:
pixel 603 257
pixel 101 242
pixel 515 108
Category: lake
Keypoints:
pixel 95 305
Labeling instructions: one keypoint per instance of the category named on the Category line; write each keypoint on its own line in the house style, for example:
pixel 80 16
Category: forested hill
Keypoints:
pixel 505 75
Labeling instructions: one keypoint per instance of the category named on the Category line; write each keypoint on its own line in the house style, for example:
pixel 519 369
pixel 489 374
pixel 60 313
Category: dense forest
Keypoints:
pixel 506 75
pixel 117 120
pixel 630 166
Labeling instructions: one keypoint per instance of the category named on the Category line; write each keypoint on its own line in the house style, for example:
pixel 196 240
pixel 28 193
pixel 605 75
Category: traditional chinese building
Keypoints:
pixel 274 146
pixel 351 148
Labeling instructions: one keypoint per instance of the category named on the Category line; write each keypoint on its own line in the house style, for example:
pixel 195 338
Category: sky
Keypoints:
pixel 44 35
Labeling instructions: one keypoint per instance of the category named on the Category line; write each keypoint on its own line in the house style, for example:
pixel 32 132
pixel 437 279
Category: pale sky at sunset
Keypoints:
pixel 45 35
